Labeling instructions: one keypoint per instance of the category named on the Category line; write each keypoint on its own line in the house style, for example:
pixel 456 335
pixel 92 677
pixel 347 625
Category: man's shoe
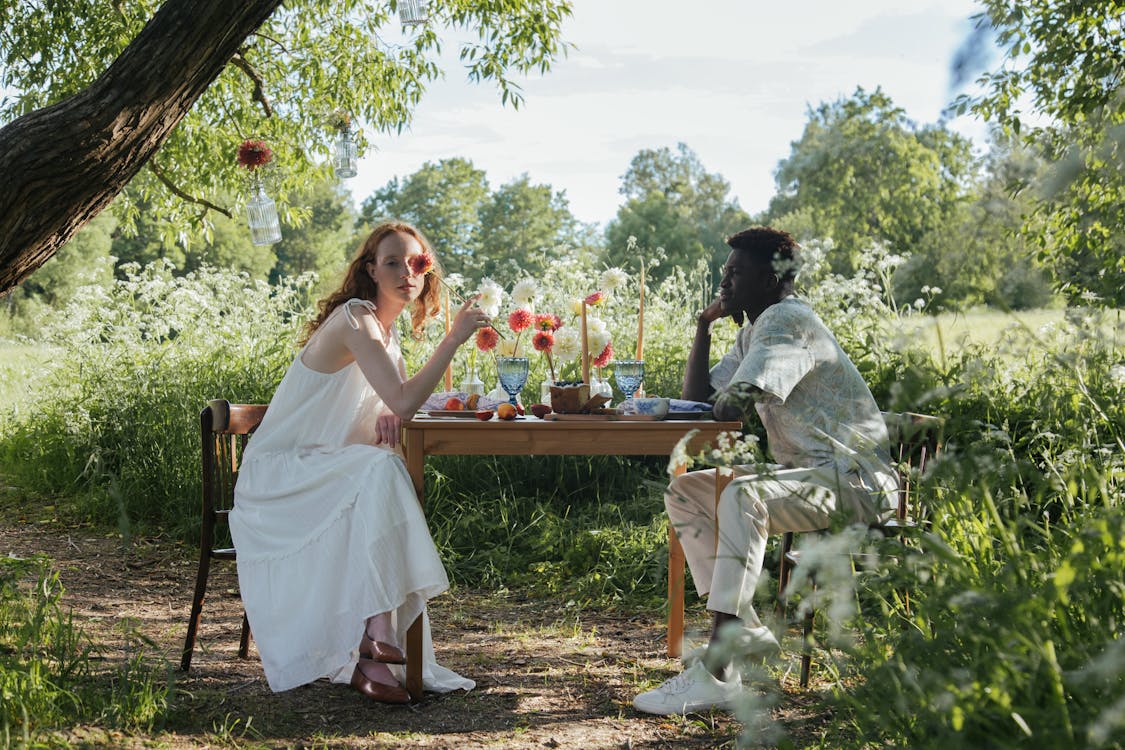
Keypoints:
pixel 694 689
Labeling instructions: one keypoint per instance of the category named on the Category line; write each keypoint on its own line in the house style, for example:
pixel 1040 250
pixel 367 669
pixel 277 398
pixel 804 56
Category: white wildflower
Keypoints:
pixel 525 292
pixel 568 344
pixel 1117 375
pixel 679 459
pixel 491 297
pixel 612 278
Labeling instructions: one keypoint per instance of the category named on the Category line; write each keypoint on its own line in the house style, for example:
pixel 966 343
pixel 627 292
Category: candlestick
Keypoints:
pixel 641 317
pixel 585 348
pixel 449 367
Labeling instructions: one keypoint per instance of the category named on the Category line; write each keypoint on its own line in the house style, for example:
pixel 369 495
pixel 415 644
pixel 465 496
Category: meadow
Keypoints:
pixel 1012 636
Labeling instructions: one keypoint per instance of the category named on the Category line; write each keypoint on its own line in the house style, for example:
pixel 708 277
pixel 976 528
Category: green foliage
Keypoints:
pixel 135 363
pixel 862 172
pixel 517 228
pixel 309 58
pixel 442 199
pixel 48 677
pixel 1067 58
pixel 673 203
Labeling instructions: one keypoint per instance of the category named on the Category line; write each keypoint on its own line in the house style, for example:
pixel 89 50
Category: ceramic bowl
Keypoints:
pixel 651 406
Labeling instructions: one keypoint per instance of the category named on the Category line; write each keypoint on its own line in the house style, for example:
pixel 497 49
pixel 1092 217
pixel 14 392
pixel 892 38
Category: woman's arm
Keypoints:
pixel 404 396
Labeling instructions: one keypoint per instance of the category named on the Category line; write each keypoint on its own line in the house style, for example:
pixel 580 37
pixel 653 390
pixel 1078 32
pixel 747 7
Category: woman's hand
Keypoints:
pixel 468 319
pixel 388 428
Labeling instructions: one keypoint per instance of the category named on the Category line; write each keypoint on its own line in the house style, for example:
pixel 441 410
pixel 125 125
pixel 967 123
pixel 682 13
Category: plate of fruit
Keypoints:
pixel 457 407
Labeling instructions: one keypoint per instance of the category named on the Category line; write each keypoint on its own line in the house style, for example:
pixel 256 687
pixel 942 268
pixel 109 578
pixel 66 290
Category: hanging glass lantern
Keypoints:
pixel 344 158
pixel 261 213
pixel 413 12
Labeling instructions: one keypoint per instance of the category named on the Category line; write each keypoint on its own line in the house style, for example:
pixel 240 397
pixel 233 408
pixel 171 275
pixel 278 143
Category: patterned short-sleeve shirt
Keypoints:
pixel 817 409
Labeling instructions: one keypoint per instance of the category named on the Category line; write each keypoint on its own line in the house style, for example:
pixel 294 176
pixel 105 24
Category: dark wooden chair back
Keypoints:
pixel 224 430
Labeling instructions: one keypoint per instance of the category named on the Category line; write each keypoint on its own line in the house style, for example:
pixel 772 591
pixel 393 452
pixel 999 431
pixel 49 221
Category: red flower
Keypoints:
pixel 603 359
pixel 543 341
pixel 487 338
pixel 548 322
pixel 253 154
pixel 520 320
pixel 595 298
pixel 420 264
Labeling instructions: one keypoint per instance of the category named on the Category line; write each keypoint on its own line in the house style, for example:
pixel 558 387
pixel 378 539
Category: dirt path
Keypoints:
pixel 547 677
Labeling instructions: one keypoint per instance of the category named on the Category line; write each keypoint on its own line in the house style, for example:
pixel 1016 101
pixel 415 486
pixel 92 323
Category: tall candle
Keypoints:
pixel 585 348
pixel 641 317
pixel 449 367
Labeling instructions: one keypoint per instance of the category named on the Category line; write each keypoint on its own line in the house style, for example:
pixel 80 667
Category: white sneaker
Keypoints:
pixel 694 689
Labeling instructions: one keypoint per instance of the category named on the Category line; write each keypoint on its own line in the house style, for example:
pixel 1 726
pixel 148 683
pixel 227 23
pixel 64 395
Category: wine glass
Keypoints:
pixel 629 373
pixel 513 375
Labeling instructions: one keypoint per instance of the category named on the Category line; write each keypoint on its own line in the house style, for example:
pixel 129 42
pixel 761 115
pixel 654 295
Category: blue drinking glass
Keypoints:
pixel 513 375
pixel 629 373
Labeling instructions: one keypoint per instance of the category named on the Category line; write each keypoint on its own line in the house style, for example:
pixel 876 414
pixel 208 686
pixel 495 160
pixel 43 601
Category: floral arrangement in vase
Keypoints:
pixel 261 211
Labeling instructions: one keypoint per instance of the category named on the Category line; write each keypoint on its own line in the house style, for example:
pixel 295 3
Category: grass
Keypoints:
pixel 21 365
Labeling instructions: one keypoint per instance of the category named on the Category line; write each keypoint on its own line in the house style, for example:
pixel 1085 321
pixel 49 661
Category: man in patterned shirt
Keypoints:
pixel 824 432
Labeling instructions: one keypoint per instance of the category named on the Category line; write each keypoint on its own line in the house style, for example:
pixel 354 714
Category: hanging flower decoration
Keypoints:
pixel 254 153
pixel 340 119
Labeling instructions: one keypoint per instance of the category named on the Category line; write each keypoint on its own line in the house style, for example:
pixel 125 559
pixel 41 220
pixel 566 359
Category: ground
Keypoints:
pixel 547 676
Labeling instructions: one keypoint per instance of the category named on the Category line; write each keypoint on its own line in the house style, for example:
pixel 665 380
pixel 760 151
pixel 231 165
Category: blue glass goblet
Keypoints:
pixel 629 373
pixel 513 375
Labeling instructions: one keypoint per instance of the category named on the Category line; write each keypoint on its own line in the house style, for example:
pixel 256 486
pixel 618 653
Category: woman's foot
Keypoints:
pixel 376 641
pixel 376 682
pixel 380 651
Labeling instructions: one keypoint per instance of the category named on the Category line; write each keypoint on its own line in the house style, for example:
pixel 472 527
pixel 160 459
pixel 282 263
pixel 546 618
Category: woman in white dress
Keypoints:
pixel 334 556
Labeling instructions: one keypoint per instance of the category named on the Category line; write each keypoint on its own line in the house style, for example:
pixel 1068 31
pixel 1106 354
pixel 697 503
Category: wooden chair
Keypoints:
pixel 224 428
pixel 914 439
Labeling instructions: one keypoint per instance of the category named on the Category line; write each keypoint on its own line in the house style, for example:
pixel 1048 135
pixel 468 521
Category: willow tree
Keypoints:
pixel 105 92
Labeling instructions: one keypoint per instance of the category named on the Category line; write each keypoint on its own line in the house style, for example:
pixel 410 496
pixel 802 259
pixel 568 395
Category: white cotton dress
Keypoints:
pixel 329 531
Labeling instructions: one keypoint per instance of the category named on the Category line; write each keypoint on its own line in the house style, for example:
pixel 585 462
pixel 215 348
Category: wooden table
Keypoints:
pixel 528 436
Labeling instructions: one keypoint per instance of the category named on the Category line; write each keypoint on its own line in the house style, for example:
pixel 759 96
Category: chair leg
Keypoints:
pixel 414 659
pixel 806 647
pixel 196 607
pixel 676 562
pixel 244 639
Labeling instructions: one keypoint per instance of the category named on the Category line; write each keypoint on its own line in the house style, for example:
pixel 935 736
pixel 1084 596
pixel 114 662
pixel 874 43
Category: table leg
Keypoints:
pixel 416 466
pixel 676 563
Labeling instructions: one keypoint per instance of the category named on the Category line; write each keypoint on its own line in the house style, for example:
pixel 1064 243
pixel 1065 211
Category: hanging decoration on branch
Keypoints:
pixel 413 12
pixel 345 154
pixel 261 211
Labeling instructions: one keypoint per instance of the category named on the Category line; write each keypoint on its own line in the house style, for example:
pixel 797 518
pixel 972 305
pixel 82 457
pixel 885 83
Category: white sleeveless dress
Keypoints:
pixel 329 531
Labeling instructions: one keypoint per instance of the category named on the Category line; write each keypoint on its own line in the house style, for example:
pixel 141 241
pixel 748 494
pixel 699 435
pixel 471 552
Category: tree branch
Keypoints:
pixel 186 196
pixel 242 64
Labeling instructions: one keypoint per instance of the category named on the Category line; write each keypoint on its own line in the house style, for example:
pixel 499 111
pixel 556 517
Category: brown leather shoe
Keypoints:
pixel 378 691
pixel 380 651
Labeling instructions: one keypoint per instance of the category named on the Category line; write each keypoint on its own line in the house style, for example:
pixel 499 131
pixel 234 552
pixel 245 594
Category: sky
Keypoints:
pixel 733 79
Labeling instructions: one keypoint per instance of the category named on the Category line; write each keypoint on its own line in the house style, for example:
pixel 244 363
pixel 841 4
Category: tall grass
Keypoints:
pixel 1012 637
pixel 47 677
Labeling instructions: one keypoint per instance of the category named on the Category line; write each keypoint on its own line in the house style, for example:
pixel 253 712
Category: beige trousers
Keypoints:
pixel 752 507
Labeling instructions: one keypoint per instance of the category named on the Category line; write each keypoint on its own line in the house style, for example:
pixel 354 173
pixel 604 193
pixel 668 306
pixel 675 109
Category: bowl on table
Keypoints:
pixel 651 406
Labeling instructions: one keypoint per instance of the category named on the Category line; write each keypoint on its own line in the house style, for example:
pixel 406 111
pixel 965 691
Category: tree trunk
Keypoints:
pixel 63 164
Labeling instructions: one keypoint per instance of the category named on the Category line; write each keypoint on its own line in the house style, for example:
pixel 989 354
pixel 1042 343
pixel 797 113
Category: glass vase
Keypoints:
pixel 345 157
pixel 545 392
pixel 413 12
pixel 472 384
pixel 261 214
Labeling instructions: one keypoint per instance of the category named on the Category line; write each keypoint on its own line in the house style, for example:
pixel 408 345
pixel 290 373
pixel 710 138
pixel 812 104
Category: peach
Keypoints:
pixel 455 404
pixel 540 410
pixel 506 411
pixel 472 400
pixel 484 415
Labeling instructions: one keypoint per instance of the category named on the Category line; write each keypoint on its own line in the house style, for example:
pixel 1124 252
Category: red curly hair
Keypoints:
pixel 358 283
